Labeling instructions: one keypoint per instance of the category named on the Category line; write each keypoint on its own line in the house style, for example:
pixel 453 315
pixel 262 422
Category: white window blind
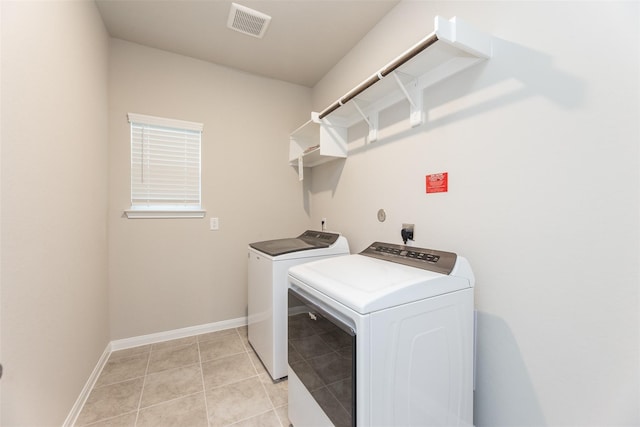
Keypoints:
pixel 165 165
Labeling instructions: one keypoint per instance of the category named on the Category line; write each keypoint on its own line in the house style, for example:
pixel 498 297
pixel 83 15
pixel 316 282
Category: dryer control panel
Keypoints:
pixel 426 259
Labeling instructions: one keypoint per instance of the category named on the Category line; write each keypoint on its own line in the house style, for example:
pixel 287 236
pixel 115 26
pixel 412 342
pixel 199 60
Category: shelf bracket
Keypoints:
pixel 364 116
pixel 414 95
pixel 300 169
pixel 371 120
pixel 404 90
pixel 416 117
pixel 373 127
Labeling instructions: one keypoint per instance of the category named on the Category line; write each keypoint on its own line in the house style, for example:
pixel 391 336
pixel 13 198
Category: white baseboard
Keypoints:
pixel 84 394
pixel 177 333
pixel 143 340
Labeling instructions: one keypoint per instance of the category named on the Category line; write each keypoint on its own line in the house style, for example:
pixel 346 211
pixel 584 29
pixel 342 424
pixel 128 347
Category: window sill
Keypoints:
pixel 164 213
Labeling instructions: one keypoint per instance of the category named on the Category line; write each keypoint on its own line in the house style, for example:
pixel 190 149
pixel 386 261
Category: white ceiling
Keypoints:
pixel 305 38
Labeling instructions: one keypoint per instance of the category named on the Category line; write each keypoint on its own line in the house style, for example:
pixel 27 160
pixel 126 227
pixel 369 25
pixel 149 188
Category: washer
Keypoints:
pixel 382 338
pixel 267 290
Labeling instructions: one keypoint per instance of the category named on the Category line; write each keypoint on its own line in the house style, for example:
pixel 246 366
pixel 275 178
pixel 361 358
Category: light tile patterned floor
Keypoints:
pixel 208 380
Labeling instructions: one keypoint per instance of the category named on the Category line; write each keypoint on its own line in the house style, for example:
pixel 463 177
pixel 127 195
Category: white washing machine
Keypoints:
pixel 269 262
pixel 382 338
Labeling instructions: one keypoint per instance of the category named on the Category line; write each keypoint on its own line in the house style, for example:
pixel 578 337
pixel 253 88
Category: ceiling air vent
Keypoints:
pixel 248 21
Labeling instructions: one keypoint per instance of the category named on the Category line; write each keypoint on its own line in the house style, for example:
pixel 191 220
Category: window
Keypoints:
pixel 165 168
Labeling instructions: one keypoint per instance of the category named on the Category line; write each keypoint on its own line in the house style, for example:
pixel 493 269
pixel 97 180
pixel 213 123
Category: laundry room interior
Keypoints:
pixel 538 142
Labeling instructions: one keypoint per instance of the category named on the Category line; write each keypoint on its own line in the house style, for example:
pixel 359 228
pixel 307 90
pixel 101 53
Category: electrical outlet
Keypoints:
pixel 214 223
pixel 407 232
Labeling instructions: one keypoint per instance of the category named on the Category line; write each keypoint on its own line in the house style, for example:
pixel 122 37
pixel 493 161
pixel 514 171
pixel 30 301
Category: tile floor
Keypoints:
pixel 208 380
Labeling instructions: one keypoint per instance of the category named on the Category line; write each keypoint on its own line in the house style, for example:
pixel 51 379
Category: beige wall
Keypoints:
pixel 541 146
pixel 167 274
pixel 54 323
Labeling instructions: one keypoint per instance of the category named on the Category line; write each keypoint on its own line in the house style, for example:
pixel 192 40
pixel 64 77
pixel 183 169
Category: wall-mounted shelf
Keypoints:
pixel 317 142
pixel 451 48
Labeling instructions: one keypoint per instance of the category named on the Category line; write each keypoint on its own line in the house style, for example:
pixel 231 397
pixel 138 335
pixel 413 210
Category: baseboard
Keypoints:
pixel 143 340
pixel 177 333
pixel 84 394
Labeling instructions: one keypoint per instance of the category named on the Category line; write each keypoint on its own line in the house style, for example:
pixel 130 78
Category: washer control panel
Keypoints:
pixel 319 238
pixel 426 259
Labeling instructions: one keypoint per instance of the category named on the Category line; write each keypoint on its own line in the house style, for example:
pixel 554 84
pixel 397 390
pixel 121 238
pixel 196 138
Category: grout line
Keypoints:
pixel 253 416
pixel 117 382
pixel 264 387
pixel 247 350
pixel 242 339
pixel 144 380
pixel 204 387
pixel 102 420
pixel 173 399
pixel 273 408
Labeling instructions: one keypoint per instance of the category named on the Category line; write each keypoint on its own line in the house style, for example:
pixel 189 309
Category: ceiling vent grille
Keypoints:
pixel 248 21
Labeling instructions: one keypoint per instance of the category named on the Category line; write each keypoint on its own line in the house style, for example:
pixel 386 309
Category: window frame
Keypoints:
pixel 158 210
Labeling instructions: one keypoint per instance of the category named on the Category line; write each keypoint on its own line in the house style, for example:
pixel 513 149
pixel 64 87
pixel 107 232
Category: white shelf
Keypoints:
pixel 317 142
pixel 453 46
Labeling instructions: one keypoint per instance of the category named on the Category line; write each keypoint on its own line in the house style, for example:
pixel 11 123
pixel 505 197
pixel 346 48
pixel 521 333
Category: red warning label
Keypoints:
pixel 437 182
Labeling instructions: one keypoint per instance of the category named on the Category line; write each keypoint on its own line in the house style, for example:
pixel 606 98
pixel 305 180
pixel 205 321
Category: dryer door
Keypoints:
pixel 322 354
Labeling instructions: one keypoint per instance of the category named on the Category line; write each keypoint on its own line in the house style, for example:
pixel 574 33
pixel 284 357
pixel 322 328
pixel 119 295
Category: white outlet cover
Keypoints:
pixel 214 223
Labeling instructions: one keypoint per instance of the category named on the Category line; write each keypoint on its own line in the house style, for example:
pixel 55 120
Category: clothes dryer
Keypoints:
pixel 382 338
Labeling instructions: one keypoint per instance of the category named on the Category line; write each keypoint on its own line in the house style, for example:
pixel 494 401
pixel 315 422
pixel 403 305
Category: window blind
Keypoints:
pixel 165 163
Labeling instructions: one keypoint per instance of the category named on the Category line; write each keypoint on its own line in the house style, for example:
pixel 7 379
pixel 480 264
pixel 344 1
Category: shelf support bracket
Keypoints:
pixel 372 121
pixel 300 169
pixel 415 97
pixel 364 116
pixel 373 127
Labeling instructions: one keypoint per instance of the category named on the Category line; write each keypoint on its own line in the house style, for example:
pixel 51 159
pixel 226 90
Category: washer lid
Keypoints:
pixel 308 240
pixel 366 284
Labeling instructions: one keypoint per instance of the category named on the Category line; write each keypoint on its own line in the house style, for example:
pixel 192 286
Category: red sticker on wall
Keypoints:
pixel 438 182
